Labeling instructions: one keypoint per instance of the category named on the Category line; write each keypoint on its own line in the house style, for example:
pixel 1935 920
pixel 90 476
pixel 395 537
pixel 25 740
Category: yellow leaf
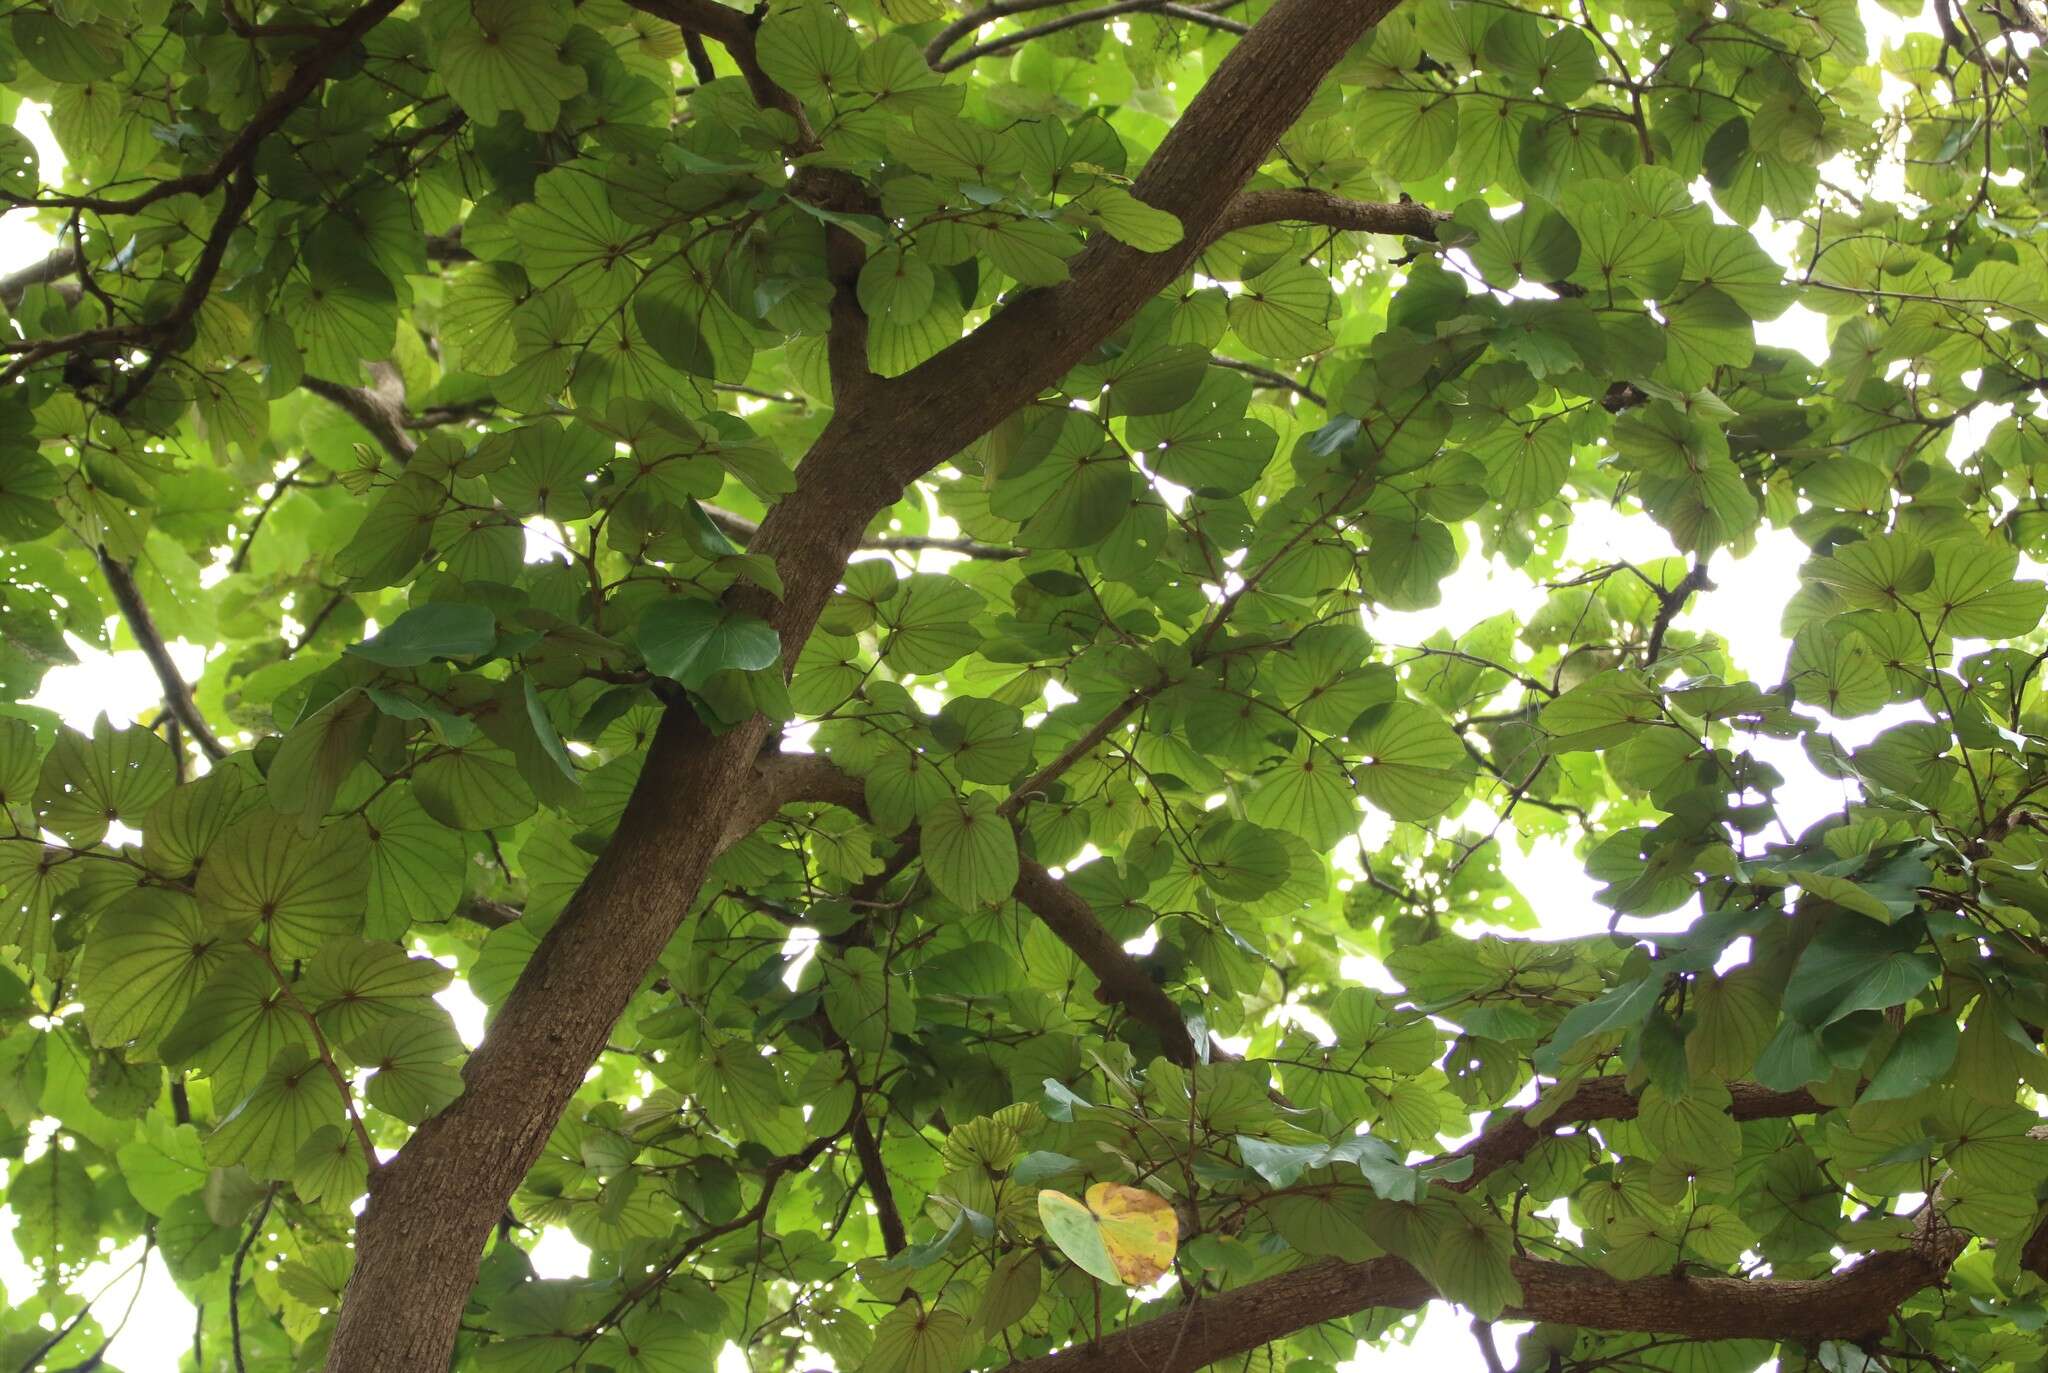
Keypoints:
pixel 1123 1235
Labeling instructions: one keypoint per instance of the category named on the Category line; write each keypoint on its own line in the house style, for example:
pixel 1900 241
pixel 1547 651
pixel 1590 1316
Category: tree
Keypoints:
pixel 894 937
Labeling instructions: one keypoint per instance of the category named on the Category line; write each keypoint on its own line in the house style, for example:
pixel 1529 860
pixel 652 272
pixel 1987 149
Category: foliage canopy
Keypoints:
pixel 498 390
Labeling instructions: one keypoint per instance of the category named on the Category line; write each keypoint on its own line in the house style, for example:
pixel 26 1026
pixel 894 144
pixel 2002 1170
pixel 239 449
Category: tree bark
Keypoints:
pixel 1851 1304
pixel 431 1209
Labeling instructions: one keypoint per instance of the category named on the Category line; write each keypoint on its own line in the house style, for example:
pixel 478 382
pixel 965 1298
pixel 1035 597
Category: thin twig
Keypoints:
pixel 235 1277
pixel 277 490
pixel 177 693
pixel 1003 43
pixel 326 1052
pixel 335 40
pixel 1272 380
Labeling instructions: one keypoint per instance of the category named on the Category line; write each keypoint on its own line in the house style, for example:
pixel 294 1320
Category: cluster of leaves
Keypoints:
pixel 434 364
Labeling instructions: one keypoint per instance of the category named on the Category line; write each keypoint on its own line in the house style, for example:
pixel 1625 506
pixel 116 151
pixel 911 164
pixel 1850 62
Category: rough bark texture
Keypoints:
pixel 1846 1305
pixel 432 1208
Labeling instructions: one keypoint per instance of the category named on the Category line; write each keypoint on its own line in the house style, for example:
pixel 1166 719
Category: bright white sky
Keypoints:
pixel 121 685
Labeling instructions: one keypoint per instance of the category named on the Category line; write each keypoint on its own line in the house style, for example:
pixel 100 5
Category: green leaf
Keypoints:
pixel 912 1339
pixel 1410 764
pixel 353 985
pixel 1282 312
pixel 321 750
pixel 1125 218
pixel 1854 966
pixel 688 640
pixel 29 487
pixel 417 865
pixel 1925 1051
pixel 412 1064
pixel 266 1129
pixel 1620 1008
pixel 235 1026
pixel 930 623
pixel 295 893
pixel 444 629
pixel 969 850
pixel 89 783
pixel 143 965
pixel 472 789
pixel 896 285
pixel 1310 796
pixel 808 51
pixel 507 57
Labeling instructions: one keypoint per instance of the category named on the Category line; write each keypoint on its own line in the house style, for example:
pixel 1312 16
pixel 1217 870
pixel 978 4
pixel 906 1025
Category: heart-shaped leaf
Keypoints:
pixel 1126 1236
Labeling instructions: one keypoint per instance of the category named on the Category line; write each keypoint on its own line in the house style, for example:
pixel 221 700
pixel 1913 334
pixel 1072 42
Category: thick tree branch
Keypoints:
pixel 1226 133
pixel 732 30
pixel 1301 205
pixel 142 628
pixel 432 1208
pixel 1508 1139
pixel 1854 1304
pixel 59 263
pixel 378 407
pixel 1121 980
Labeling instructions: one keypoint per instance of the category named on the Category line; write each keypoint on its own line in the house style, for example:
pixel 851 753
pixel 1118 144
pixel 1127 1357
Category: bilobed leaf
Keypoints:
pixel 969 849
pixel 412 1063
pixel 417 865
pixel 1974 593
pixel 1309 795
pixel 294 892
pixel 896 285
pixel 442 629
pixel 1282 312
pixel 916 1339
pixel 143 965
pixel 807 50
pixel 89 782
pixel 264 1132
pixel 688 640
pixel 1410 764
pixel 1121 1235
pixel 508 57
pixel 352 985
pixel 472 789
pixel 930 623
pixel 1693 1126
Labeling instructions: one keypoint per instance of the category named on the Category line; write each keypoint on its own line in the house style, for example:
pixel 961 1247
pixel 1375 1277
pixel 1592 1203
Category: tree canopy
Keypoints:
pixel 834 563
